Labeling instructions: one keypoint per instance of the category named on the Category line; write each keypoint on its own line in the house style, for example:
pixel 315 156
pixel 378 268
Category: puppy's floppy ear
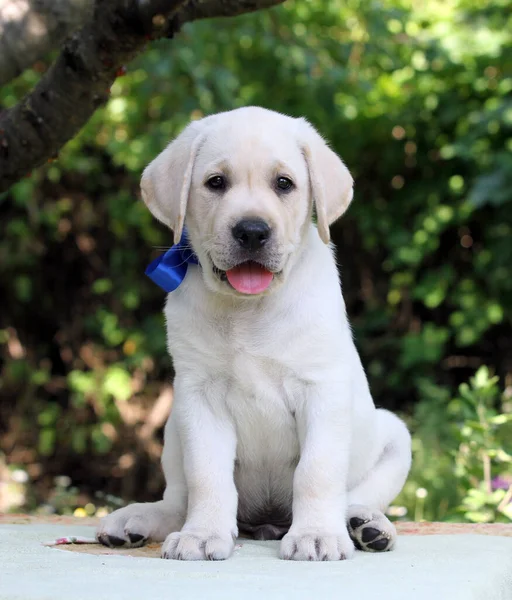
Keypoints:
pixel 330 180
pixel 165 183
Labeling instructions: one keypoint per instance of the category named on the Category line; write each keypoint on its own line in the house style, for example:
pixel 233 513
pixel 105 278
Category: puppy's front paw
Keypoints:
pixel 187 545
pixel 313 545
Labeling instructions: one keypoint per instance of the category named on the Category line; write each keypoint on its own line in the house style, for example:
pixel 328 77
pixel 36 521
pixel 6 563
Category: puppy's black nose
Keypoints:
pixel 251 234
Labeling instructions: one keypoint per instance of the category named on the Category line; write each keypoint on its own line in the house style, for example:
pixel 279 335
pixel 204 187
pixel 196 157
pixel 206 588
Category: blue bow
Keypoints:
pixel 169 269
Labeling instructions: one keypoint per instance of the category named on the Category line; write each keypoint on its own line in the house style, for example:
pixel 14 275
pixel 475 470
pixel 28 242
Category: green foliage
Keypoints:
pixel 484 454
pixel 416 97
pixel 462 454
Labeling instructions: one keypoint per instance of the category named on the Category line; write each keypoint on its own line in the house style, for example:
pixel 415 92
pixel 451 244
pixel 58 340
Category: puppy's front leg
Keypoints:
pixel 318 530
pixel 209 445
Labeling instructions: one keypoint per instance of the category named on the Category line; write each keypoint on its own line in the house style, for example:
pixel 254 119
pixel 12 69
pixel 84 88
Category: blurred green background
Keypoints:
pixel 417 99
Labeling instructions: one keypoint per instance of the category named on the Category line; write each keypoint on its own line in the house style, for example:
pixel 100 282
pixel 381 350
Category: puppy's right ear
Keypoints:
pixel 330 180
pixel 165 183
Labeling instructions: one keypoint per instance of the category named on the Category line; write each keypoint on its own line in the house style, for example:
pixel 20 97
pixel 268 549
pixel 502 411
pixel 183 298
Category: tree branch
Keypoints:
pixel 30 29
pixel 79 81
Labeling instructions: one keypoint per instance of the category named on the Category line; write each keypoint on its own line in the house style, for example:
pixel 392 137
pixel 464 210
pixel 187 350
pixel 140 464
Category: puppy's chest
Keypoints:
pixel 246 365
pixel 262 398
pixel 248 350
pixel 246 362
pixel 259 386
pixel 255 363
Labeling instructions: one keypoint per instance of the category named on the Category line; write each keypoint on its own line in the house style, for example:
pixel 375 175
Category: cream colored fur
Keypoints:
pixel 272 411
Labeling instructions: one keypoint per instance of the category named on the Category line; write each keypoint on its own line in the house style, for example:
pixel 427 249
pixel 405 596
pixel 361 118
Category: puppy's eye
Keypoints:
pixel 284 184
pixel 217 183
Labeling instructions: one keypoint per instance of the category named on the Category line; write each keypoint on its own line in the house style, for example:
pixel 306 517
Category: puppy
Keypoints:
pixel 273 431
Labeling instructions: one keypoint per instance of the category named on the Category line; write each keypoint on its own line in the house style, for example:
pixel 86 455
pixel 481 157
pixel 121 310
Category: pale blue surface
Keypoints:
pixel 461 567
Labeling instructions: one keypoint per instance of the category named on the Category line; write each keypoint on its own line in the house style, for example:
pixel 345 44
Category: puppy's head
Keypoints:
pixel 246 181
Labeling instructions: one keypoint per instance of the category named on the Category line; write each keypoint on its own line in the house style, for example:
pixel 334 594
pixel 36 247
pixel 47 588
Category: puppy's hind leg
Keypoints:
pixel 367 524
pixel 134 525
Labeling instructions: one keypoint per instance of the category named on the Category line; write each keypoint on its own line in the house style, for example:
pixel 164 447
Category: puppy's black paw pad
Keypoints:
pixel 115 541
pixel 137 538
pixel 369 534
pixel 356 522
pixel 370 531
pixel 111 541
pixel 379 545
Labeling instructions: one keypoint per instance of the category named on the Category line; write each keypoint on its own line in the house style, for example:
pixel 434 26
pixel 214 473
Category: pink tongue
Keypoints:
pixel 249 278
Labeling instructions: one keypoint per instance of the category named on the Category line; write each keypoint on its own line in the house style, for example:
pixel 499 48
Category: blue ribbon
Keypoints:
pixel 169 269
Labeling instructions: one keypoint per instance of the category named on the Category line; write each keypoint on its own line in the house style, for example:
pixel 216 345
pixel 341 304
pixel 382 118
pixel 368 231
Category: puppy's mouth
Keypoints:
pixel 248 277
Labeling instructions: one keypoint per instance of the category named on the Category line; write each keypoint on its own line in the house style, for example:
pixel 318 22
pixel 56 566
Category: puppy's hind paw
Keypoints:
pixel 370 530
pixel 133 525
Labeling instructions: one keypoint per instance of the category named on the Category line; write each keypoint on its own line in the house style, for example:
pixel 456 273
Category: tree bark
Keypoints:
pixel 79 81
pixel 29 29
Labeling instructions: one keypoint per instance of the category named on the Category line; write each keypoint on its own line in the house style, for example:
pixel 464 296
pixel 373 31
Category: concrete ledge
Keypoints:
pixel 451 567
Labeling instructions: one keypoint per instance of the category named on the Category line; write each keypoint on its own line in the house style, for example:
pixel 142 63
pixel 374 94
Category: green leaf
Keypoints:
pixel 117 383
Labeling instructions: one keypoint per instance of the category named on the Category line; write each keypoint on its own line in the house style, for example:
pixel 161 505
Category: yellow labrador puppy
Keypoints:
pixel 273 431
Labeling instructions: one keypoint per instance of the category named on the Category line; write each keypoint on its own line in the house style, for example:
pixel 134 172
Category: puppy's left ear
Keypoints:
pixel 166 181
pixel 330 180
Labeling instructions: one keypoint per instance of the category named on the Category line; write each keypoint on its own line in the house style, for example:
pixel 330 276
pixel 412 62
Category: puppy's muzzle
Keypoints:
pixel 251 234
